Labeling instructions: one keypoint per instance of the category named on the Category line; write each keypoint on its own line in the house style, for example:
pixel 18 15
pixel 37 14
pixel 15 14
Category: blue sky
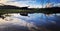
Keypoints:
pixel 31 3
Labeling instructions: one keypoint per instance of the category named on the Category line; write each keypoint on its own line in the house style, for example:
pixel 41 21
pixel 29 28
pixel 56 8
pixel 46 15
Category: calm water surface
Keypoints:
pixel 51 21
pixel 44 22
pixel 40 19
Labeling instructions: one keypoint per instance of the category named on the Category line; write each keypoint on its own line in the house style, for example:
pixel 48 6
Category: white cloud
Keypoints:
pixel 21 3
pixel 57 5
pixel 3 1
pixel 35 6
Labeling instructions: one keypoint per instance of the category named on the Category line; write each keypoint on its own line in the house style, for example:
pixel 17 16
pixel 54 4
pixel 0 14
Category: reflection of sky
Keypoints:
pixel 40 19
pixel 18 22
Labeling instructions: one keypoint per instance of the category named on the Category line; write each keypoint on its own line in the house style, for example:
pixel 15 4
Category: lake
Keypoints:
pixel 32 22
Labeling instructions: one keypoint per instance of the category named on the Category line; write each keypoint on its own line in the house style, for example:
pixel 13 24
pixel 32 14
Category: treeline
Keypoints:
pixel 12 9
pixel 50 10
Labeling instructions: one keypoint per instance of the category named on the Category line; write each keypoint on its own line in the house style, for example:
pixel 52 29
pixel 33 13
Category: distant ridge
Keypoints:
pixel 11 7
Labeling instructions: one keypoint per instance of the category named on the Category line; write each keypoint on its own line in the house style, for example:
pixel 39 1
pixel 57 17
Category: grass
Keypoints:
pixel 27 11
pixel 17 11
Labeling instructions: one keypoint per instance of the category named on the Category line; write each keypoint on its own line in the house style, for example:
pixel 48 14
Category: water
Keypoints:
pixel 39 18
pixel 37 22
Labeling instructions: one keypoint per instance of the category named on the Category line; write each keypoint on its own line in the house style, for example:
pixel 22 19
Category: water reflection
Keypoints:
pixel 34 22
pixel 38 18
pixel 51 21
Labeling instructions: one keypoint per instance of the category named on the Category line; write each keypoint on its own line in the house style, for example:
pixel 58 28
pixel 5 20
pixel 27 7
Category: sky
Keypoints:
pixel 30 3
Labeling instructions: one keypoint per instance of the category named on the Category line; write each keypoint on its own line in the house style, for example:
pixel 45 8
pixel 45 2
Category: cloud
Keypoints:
pixel 49 5
pixel 57 5
pixel 24 3
pixel 3 1
pixel 24 0
pixel 21 3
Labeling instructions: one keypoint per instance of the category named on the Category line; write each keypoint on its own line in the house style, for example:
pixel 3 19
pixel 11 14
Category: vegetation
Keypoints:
pixel 15 9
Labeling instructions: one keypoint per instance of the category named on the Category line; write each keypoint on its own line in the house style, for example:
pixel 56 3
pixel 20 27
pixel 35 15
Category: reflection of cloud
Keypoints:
pixel 31 22
pixel 9 21
pixel 40 18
